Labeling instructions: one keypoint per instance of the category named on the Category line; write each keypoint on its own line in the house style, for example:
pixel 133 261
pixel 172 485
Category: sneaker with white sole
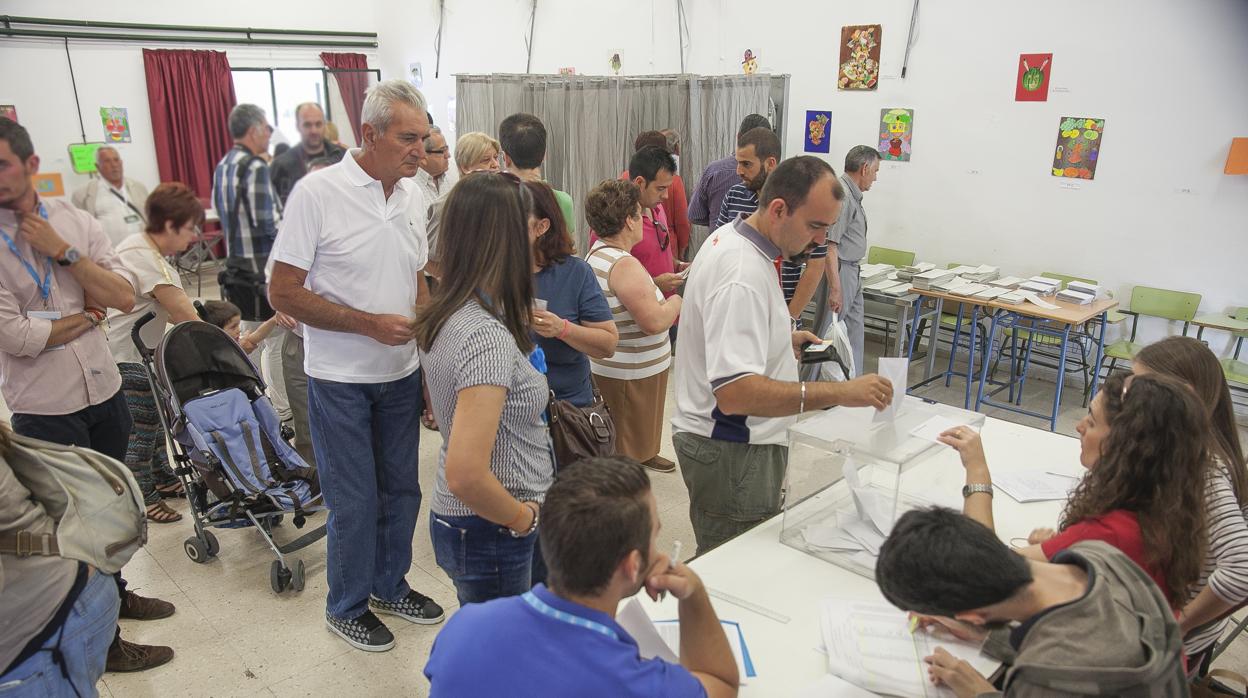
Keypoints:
pixel 364 632
pixel 415 607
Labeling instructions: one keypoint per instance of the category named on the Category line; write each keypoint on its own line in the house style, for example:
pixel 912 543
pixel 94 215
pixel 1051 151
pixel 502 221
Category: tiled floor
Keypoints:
pixel 235 637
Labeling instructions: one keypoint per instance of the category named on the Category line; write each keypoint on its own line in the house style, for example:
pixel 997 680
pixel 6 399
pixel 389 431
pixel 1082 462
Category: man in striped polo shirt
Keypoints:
pixel 758 152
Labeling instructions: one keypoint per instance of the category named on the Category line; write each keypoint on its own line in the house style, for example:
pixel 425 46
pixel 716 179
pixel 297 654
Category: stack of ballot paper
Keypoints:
pixel 907 273
pixel 1076 297
pixel 871 273
pixel 924 280
pixel 1042 285
pixel 870 644
pixel 968 289
pixel 1035 485
pixel 1083 287
pixel 949 284
pixel 1012 298
pixel 1010 282
pixel 982 274
pixel 899 289
pixel 990 292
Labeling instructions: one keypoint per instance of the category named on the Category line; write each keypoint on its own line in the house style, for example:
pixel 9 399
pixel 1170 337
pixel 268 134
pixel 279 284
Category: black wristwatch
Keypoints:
pixel 68 257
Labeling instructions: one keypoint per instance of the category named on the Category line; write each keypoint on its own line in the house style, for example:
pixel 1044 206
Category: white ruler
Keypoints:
pixel 749 606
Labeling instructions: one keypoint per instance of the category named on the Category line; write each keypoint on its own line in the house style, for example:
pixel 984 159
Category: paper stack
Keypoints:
pixel 950 283
pixel 1012 298
pixel 1042 285
pixel 968 290
pixel 990 293
pixel 908 272
pixel 872 273
pixel 1076 297
pixel 962 269
pixel 1083 287
pixel 1010 282
pixel 898 290
pixel 925 280
pixel 982 274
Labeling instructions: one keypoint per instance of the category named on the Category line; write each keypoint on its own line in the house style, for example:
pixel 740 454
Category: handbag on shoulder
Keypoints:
pixel 580 432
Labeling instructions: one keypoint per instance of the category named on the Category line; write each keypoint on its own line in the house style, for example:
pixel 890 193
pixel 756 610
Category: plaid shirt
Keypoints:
pixel 247 237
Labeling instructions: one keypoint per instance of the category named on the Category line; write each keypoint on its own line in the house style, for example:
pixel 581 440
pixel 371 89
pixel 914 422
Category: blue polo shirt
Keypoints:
pixel 538 644
pixel 571 291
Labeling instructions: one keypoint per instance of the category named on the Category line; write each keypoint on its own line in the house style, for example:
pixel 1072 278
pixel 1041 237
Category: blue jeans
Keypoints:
pixel 84 638
pixel 366 437
pixel 482 558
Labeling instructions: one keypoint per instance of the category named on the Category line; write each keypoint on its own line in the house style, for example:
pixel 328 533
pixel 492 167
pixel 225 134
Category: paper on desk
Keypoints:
pixel 650 642
pixel 1035 485
pixel 831 686
pixel 1035 299
pixel 670 631
pixel 897 371
pixel 934 427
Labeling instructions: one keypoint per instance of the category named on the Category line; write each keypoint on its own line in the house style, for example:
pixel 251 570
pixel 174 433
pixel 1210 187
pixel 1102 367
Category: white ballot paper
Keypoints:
pixel 934 427
pixel 897 371
pixel 1035 485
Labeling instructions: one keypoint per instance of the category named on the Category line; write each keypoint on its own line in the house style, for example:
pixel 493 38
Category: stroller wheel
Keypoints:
pixel 196 550
pixel 296 579
pixel 214 546
pixel 279 577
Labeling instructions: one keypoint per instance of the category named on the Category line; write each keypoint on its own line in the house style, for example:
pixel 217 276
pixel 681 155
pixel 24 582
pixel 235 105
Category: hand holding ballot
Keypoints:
pixel 970 447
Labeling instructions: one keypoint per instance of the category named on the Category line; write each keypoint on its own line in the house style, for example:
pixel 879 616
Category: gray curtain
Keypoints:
pixel 591 121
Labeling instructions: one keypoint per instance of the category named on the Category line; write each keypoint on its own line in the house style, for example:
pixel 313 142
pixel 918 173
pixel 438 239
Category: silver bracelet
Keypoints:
pixel 801 408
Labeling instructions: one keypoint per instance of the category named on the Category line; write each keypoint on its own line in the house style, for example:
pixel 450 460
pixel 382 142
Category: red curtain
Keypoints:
pixel 190 94
pixel 351 86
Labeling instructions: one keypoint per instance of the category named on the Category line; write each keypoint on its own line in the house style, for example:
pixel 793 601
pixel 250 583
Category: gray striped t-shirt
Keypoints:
pixel 474 348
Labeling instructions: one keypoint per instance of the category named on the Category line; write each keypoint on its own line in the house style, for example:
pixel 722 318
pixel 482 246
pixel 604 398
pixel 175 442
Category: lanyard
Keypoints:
pixel 543 608
pixel 126 201
pixel 45 284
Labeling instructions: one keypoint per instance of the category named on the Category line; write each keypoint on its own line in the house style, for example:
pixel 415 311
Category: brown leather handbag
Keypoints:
pixel 580 432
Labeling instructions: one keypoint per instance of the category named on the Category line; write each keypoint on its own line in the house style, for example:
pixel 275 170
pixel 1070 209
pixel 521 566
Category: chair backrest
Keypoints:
pixel 884 255
pixel 1066 278
pixel 1164 303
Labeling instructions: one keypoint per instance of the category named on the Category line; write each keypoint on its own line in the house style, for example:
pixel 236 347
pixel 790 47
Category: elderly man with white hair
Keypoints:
pixel 116 201
pixel 348 266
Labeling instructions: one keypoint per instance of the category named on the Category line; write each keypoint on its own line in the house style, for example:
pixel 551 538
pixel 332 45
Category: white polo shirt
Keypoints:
pixel 734 323
pixel 362 251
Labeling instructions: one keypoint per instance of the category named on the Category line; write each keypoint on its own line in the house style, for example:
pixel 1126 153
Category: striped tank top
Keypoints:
pixel 638 355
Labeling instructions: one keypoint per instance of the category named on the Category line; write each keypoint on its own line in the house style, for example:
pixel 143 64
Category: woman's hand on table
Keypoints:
pixel 1040 535
pixel 967 443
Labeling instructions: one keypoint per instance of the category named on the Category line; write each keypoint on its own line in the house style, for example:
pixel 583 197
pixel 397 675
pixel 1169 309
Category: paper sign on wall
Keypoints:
pixel 749 62
pixel 48 184
pixel 818 132
pixel 613 60
pixel 896 129
pixel 116 124
pixel 1032 84
pixel 1078 147
pixel 8 111
pixel 82 156
pixel 860 57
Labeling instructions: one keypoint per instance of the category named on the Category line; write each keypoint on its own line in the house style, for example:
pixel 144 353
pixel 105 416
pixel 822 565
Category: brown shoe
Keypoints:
pixel 137 607
pixel 129 656
pixel 660 464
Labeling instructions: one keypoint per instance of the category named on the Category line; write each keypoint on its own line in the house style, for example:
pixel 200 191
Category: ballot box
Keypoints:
pixel 842 486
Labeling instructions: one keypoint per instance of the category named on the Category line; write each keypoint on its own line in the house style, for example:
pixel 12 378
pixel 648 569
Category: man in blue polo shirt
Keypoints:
pixel 599 528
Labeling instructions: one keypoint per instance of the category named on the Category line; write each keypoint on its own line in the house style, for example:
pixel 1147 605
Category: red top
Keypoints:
pixel 1120 529
pixel 678 214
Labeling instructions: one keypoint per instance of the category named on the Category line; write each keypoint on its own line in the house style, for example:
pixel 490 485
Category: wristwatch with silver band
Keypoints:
pixel 969 490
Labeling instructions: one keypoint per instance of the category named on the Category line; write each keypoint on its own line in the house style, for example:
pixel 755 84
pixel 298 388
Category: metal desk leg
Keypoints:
pixel 953 346
pixel 914 336
pixel 970 355
pixel 1061 377
pixel 1022 375
pixel 931 339
pixel 1200 332
pixel 983 370
pixel 1100 354
pixel 1013 359
pixel 903 318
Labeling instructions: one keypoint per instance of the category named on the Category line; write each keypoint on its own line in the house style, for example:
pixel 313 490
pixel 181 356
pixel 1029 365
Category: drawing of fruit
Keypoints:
pixel 1033 78
pixel 818 129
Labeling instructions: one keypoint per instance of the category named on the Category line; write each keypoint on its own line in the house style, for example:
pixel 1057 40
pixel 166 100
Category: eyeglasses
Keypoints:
pixel 667 237
pixel 436 151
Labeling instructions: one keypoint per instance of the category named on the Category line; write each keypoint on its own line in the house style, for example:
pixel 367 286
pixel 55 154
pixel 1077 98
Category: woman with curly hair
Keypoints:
pixel 1143 443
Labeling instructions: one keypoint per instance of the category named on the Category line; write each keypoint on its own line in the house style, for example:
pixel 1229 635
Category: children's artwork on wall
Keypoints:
pixel 48 184
pixel 860 57
pixel 896 130
pixel 8 111
pixel 614 61
pixel 749 63
pixel 1078 147
pixel 1033 77
pixel 818 132
pixel 116 124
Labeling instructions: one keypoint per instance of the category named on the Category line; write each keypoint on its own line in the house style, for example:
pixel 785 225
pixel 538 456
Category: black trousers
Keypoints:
pixel 104 427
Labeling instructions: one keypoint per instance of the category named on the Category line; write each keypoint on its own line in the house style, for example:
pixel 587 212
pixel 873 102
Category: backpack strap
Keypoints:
pixel 241 191
pixel 25 544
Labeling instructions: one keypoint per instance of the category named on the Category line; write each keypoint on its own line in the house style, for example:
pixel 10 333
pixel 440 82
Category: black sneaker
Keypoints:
pixel 365 632
pixel 416 608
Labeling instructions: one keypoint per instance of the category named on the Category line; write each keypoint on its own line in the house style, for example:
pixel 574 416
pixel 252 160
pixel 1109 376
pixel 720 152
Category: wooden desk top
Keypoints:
pixel 1066 313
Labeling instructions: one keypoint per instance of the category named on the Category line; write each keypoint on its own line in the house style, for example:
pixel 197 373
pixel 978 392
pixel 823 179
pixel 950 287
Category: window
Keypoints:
pixel 292 88
pixel 278 91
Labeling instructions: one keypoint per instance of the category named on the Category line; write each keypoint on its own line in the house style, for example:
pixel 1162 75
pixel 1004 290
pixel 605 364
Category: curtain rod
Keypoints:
pixel 69 29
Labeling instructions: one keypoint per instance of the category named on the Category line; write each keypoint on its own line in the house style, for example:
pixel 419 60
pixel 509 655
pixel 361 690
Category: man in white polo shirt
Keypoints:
pixel 348 266
pixel 737 387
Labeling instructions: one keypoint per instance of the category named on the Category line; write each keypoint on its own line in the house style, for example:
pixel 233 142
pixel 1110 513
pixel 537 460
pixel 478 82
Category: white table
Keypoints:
pixel 757 567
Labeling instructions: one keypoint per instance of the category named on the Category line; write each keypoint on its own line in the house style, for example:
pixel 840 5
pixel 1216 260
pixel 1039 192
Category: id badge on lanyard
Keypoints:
pixel 44 284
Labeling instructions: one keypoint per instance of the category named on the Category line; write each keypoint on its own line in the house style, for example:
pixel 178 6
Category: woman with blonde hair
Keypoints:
pixel 474 152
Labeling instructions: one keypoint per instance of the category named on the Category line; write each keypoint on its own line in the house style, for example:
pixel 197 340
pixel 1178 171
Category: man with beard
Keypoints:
pixel 737 386
pixel 758 152
pixel 599 533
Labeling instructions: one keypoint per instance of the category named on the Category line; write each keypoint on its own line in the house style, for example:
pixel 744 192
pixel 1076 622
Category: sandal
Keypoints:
pixel 171 491
pixel 161 513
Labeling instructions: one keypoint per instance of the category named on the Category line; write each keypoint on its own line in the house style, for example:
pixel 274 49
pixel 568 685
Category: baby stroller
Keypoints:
pixel 227 443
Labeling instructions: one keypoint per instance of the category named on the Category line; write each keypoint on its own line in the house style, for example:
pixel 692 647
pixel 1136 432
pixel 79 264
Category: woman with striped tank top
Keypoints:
pixel 634 380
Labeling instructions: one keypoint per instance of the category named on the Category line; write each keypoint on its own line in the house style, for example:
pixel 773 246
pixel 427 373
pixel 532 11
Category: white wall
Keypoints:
pixel 1168 78
pixel 36 75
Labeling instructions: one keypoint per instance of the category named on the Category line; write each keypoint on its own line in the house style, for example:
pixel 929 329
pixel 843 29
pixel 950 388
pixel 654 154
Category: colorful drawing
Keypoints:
pixel 749 62
pixel 818 127
pixel 615 62
pixel 1078 147
pixel 8 111
pixel 116 124
pixel 1033 77
pixel 860 57
pixel 896 130
pixel 48 184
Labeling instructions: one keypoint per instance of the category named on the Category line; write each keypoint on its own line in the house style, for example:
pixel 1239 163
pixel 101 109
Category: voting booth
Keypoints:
pixel 842 493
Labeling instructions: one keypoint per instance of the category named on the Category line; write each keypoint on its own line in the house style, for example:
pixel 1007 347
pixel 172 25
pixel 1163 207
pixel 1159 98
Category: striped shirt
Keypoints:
pixel 474 348
pixel 638 355
pixel 250 223
pixel 741 201
pixel 1226 564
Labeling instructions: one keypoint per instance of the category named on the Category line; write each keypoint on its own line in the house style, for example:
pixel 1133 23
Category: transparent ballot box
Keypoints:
pixel 842 487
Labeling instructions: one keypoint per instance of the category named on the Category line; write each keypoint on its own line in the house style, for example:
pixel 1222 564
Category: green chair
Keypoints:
pixel 1235 370
pixel 884 255
pixel 1176 306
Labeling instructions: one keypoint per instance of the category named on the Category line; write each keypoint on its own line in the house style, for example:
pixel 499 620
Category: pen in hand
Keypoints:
pixel 671 565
